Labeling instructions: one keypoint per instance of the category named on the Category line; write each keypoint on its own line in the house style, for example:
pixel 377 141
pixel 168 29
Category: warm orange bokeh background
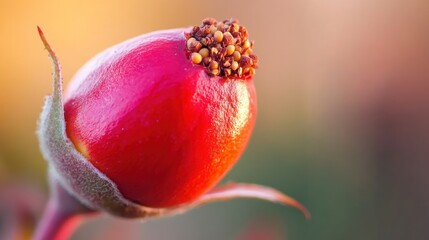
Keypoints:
pixel 343 91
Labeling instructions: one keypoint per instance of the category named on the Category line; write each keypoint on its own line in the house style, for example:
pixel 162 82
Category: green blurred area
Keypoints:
pixel 342 123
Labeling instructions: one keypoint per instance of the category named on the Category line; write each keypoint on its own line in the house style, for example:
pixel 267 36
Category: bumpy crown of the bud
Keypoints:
pixel 223 48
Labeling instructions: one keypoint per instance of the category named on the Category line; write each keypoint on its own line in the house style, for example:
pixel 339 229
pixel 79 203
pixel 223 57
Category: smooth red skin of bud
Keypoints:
pixel 157 125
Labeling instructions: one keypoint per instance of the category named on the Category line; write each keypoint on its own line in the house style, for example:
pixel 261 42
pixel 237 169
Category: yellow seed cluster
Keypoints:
pixel 223 48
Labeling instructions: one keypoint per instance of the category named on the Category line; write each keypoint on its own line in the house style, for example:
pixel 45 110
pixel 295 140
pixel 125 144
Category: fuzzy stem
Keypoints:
pixel 62 215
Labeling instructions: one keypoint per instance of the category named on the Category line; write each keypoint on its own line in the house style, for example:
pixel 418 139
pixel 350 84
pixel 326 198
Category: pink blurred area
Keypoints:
pixel 343 98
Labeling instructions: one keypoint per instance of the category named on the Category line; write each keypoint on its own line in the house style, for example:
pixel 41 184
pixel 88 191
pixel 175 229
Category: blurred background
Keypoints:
pixel 343 121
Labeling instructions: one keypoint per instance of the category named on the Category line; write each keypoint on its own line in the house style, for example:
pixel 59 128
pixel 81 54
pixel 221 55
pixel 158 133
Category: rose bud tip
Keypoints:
pixel 223 48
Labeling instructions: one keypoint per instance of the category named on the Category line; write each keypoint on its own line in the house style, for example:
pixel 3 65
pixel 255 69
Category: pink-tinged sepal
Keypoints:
pixel 247 190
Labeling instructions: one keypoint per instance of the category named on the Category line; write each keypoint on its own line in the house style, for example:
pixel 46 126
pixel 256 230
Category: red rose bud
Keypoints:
pixel 158 122
pixel 155 122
